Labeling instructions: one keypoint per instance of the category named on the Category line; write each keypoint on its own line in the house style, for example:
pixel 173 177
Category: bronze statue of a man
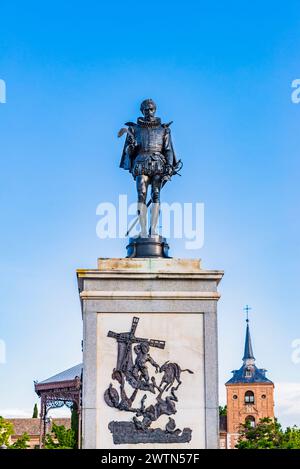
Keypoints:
pixel 149 156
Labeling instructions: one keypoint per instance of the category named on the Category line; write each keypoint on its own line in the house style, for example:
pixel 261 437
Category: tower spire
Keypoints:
pixel 248 357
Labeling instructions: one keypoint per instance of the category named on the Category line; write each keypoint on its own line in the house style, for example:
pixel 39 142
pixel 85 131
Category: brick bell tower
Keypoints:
pixel 250 394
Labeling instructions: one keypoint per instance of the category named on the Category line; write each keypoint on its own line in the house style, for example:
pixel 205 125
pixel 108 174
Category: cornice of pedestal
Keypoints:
pixel 149 295
pixel 215 275
pixel 150 268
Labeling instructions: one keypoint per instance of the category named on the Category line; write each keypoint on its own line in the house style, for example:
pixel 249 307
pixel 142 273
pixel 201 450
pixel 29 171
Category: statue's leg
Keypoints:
pixel 142 183
pixel 155 207
pixel 145 374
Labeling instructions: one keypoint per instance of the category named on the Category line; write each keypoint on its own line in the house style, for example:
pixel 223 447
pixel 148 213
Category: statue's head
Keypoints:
pixel 144 347
pixel 148 109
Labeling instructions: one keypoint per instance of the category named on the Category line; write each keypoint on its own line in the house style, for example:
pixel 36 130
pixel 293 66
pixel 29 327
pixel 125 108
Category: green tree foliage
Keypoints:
pixel 291 438
pixel 60 438
pixel 222 410
pixel 35 413
pixel 268 434
pixel 21 443
pixel 6 430
pixel 75 422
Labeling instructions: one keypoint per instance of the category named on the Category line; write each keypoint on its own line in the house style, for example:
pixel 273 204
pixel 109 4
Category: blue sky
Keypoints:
pixel 75 72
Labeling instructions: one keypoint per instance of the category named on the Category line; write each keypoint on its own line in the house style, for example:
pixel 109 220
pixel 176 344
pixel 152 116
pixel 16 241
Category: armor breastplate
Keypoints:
pixel 149 139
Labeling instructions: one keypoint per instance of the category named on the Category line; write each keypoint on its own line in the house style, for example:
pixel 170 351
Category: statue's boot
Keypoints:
pixel 142 212
pixel 154 218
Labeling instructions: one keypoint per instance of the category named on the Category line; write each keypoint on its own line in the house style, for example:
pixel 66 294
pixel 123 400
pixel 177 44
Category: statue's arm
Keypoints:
pixel 129 149
pixel 168 147
pixel 153 362
pixel 130 142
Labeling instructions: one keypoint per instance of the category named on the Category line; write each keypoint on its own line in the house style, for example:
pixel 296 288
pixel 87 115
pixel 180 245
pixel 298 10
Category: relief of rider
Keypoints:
pixel 149 156
pixel 140 369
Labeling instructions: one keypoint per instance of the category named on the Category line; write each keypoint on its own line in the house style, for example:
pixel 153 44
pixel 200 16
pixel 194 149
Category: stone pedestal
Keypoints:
pixel 176 302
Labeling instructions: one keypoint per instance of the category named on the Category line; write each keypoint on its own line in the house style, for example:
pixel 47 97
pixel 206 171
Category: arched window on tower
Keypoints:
pixel 251 420
pixel 249 397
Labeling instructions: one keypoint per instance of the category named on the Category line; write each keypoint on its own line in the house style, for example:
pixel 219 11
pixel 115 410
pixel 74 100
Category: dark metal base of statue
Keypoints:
pixel 127 433
pixel 152 246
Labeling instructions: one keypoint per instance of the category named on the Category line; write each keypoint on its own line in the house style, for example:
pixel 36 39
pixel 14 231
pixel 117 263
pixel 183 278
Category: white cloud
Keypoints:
pixel 287 403
pixel 12 413
pixel 15 413
pixel 222 395
pixel 62 412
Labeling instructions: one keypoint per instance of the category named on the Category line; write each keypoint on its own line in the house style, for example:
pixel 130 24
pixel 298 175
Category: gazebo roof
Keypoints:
pixel 70 378
pixel 66 375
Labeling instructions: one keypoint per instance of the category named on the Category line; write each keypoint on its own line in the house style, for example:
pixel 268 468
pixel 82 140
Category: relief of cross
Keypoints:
pixel 125 341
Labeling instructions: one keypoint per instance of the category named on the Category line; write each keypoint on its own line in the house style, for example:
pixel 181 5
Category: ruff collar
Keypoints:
pixel 145 123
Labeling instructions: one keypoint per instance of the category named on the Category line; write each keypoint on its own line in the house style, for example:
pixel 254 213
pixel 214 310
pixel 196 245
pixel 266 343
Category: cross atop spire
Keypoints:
pixel 247 309
pixel 248 357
